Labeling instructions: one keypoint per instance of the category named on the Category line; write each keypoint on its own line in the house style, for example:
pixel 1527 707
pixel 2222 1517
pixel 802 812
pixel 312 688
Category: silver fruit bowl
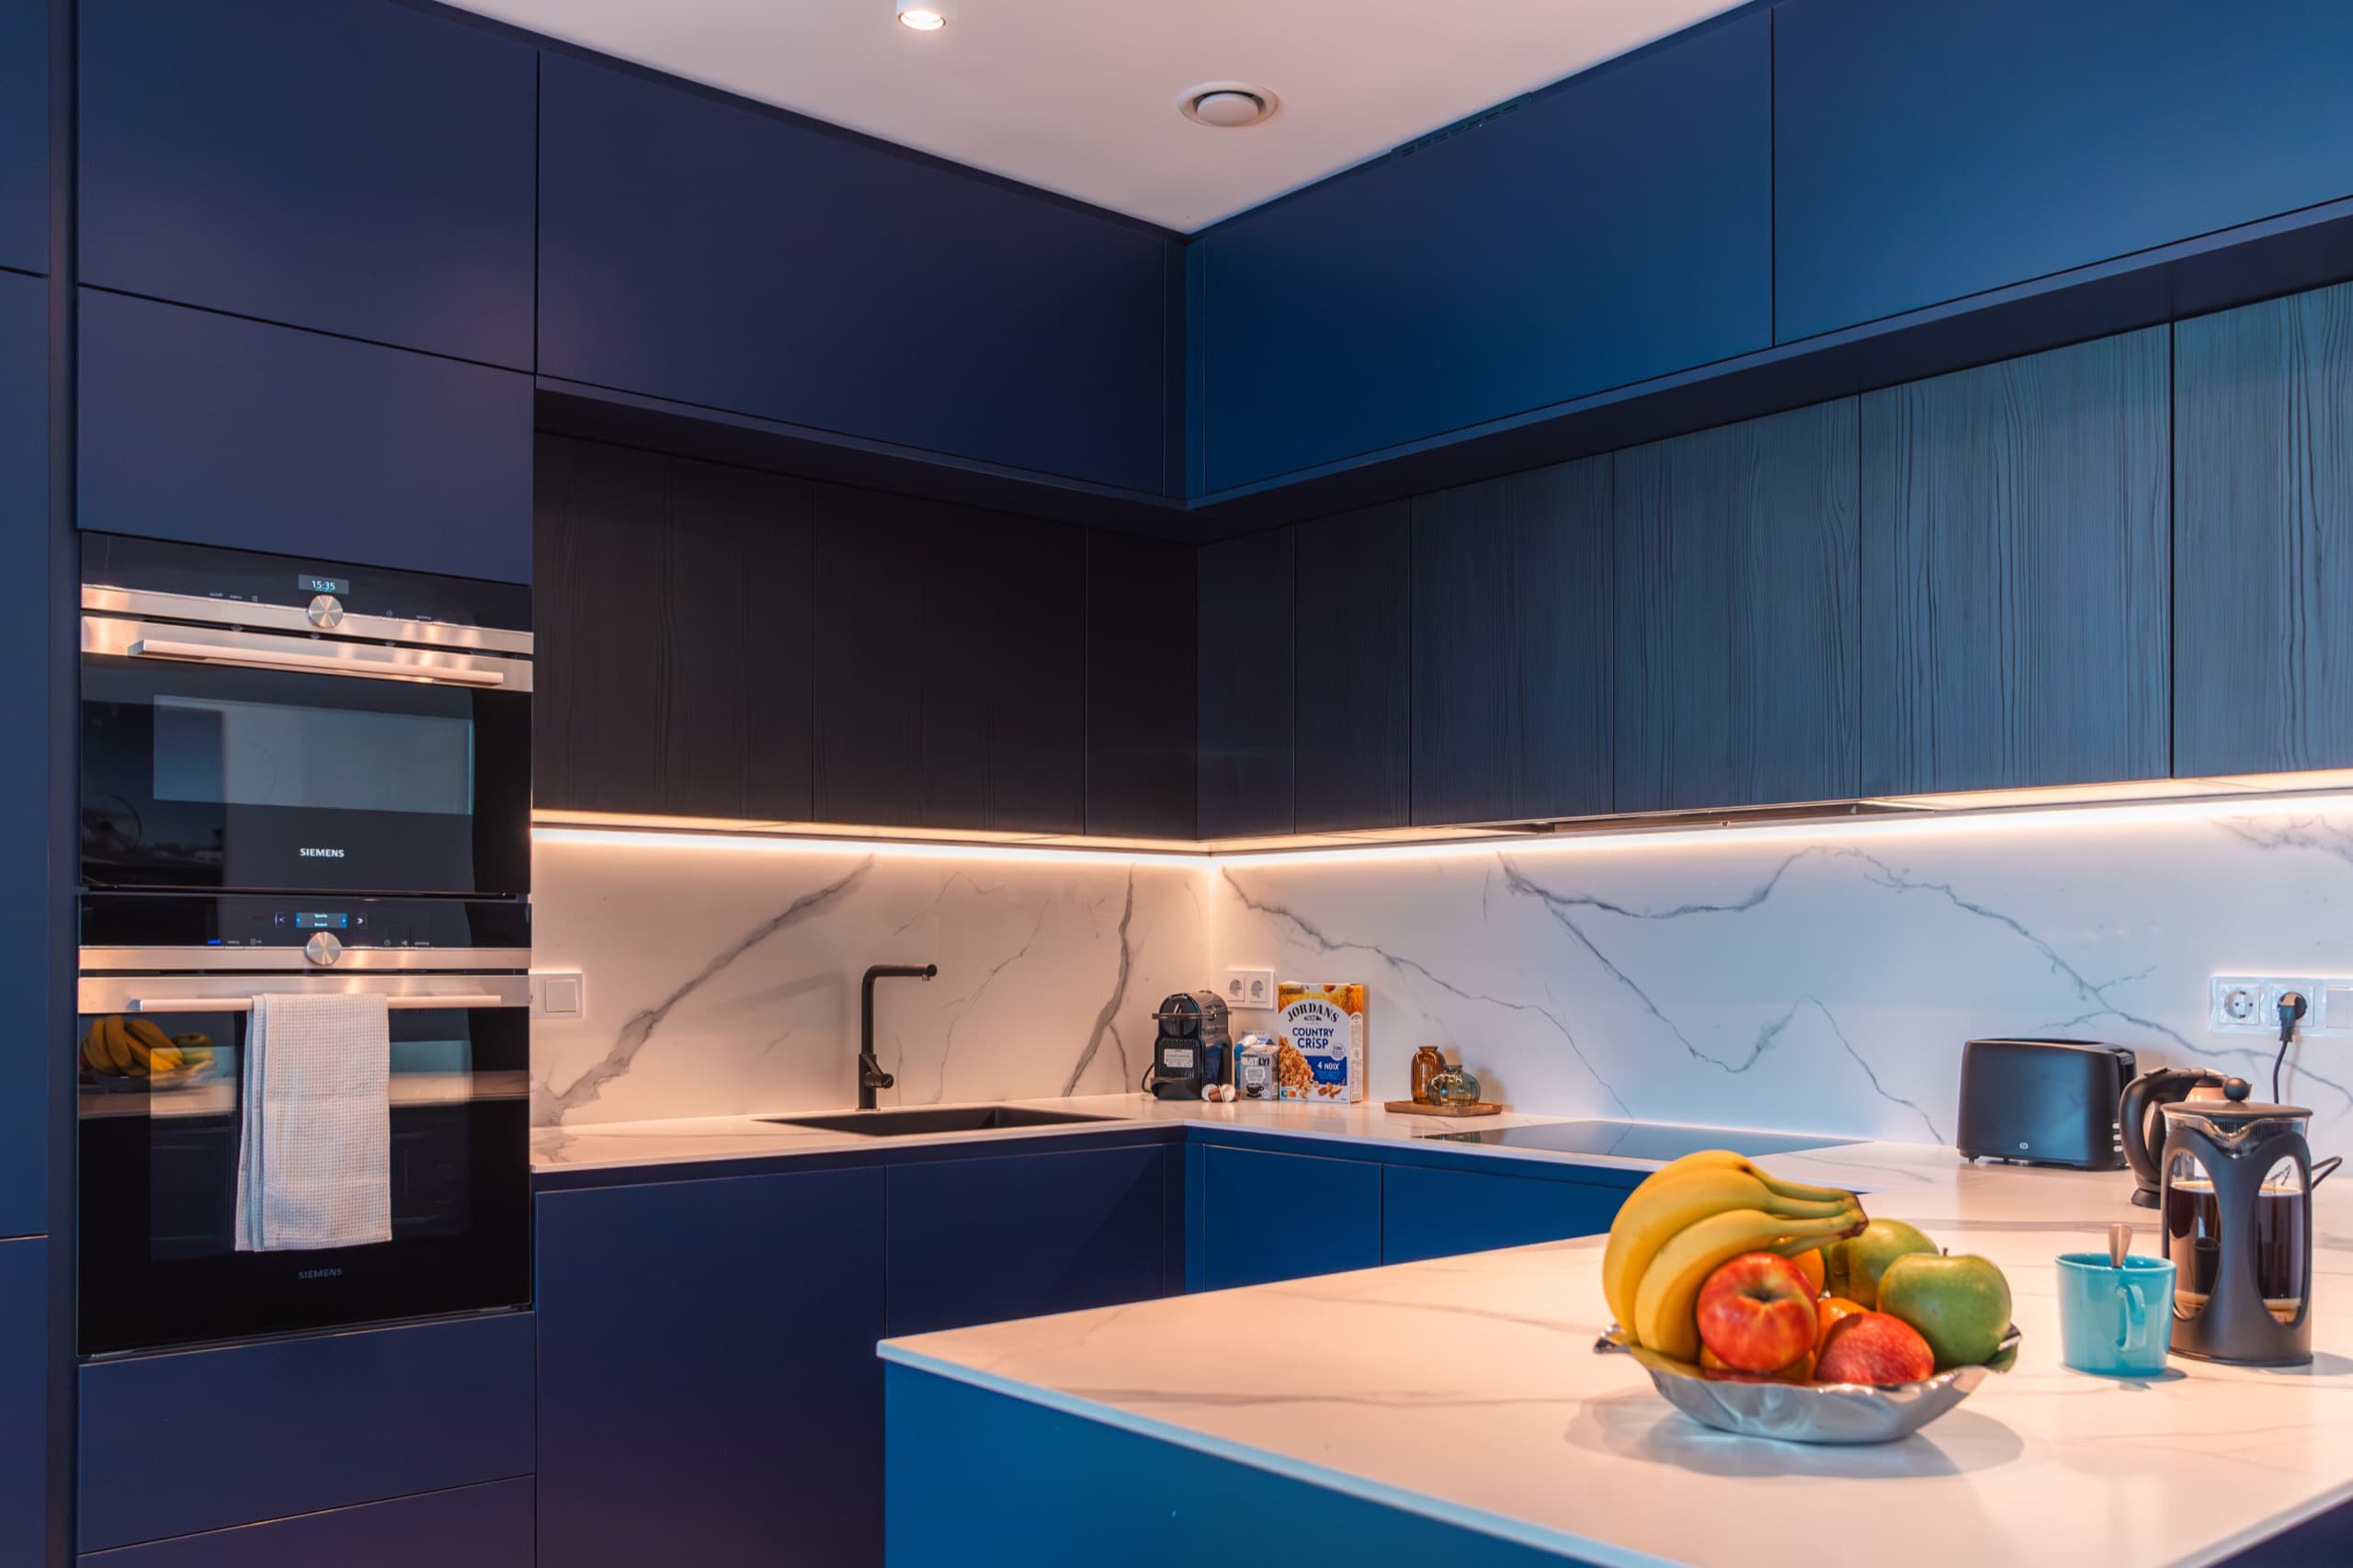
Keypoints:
pixel 1808 1413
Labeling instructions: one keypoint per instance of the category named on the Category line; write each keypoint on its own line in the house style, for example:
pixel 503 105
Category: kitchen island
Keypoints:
pixel 1454 1411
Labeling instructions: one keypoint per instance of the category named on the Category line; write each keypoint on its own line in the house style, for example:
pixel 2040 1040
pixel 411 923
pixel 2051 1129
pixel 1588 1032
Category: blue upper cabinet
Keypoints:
pixel 24 134
pixel 1615 227
pixel 353 167
pixel 207 428
pixel 710 253
pixel 1926 151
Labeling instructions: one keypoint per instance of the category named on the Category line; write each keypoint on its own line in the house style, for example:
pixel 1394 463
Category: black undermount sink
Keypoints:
pixel 948 1118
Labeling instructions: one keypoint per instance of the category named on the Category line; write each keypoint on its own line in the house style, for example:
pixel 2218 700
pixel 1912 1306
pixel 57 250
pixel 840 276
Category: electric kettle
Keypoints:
pixel 2140 1126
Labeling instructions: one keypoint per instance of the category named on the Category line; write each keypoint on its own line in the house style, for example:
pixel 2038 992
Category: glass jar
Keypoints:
pixel 1454 1086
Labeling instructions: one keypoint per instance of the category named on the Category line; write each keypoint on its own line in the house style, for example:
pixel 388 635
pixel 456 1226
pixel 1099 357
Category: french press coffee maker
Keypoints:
pixel 2238 1226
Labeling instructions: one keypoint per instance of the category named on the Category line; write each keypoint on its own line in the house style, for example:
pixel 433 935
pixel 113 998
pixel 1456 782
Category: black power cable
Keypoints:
pixel 2292 1007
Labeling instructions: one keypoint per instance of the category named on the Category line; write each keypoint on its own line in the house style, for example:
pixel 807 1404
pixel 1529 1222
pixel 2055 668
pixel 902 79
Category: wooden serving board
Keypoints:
pixel 1416 1108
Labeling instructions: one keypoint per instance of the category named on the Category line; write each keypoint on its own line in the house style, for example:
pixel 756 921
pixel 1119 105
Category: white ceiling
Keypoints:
pixel 1080 95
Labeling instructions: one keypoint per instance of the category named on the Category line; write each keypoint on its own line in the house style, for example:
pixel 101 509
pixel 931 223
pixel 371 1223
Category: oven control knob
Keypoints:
pixel 322 949
pixel 326 612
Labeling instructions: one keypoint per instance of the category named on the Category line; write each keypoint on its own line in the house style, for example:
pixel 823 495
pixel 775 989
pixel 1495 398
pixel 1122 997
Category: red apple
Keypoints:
pixel 1757 1312
pixel 1873 1348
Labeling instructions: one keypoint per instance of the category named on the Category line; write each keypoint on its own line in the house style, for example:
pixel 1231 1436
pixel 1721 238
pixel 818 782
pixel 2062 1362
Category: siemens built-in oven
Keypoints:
pixel 297 777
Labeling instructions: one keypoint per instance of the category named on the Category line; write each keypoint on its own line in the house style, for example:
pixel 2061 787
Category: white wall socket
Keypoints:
pixel 1249 987
pixel 2249 1003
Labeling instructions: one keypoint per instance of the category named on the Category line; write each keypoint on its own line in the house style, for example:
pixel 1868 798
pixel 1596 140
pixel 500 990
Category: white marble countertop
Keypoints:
pixel 617 1145
pixel 1466 1388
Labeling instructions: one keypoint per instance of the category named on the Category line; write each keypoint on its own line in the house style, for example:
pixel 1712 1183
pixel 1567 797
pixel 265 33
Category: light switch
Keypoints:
pixel 557 995
pixel 2335 1009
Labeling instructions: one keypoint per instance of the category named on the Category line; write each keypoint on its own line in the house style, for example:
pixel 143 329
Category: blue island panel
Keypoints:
pixel 1613 229
pixel 347 165
pixel 981 1480
pixel 1928 151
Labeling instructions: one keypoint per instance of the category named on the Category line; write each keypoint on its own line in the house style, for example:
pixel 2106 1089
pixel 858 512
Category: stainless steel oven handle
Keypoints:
pixel 245 1004
pixel 349 661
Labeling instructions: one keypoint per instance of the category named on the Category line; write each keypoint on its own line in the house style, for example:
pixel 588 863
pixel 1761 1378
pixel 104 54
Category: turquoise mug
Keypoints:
pixel 2117 1322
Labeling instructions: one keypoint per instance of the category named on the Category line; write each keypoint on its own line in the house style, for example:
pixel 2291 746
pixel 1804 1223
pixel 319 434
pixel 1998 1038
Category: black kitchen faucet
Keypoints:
pixel 871 1076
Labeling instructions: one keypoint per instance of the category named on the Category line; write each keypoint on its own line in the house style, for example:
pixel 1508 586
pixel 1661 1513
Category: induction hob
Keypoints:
pixel 1638 1140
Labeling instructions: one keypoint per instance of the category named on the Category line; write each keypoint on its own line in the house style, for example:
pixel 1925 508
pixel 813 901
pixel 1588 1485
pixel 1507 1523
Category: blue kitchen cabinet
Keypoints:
pixel 713 253
pixel 216 430
pixel 24 766
pixel 1611 229
pixel 1246 726
pixel 1269 1215
pixel 487 1526
pixel 985 1239
pixel 24 1399
pixel 709 1392
pixel 1927 152
pixel 1426 1211
pixel 212 1439
pixel 352 167
pixel 24 134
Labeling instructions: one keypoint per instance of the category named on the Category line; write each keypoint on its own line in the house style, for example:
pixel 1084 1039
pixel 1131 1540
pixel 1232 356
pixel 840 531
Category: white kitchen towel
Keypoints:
pixel 315 1128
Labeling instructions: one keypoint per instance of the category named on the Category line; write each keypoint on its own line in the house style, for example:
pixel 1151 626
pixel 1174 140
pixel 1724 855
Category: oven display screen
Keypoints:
pixel 309 585
pixel 322 922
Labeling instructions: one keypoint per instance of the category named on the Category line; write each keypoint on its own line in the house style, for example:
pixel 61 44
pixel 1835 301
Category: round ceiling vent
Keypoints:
pixel 1229 106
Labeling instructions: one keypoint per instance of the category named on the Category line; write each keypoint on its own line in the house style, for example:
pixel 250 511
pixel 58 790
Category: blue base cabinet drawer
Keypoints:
pixel 214 430
pixel 1444 1213
pixel 1267 1216
pixel 470 1527
pixel 198 1441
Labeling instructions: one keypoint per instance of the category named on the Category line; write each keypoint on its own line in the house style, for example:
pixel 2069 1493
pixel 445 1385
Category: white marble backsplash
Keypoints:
pixel 1817 979
pixel 722 979
pixel 1813 978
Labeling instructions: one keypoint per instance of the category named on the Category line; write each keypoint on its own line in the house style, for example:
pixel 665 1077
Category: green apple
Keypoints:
pixel 1857 1262
pixel 1961 1305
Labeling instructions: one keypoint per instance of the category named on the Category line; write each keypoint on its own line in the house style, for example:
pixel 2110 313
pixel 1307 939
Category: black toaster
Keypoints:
pixel 2044 1102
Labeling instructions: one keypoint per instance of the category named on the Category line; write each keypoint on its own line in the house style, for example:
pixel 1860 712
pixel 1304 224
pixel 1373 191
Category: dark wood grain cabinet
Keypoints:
pixel 2016 581
pixel 1353 618
pixel 1511 647
pixel 671 600
pixel 1926 151
pixel 2263 536
pixel 353 167
pixel 24 134
pixel 214 429
pixel 1245 736
pixel 713 253
pixel 950 684
pixel 1141 679
pixel 1737 681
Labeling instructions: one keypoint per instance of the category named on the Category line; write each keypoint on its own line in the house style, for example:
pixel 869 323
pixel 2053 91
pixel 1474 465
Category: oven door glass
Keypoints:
pixel 159 1134
pixel 201 776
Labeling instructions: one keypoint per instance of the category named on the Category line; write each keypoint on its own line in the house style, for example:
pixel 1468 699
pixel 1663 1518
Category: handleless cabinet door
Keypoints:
pixel 1736 647
pixel 1269 1216
pixel 1141 679
pixel 2263 536
pixel 1427 1212
pixel 25 1055
pixel 353 167
pixel 24 1399
pixel 24 134
pixel 487 1526
pixel 1352 621
pixel 1511 631
pixel 2017 577
pixel 672 599
pixel 1246 725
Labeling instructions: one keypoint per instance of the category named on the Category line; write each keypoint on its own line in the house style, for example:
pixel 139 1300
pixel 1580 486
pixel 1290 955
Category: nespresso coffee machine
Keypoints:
pixel 1191 1050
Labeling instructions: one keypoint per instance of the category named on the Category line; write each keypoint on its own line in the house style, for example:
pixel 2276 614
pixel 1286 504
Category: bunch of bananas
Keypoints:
pixel 134 1048
pixel 1692 1217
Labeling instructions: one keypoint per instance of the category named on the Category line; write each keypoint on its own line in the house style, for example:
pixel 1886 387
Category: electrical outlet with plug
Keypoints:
pixel 2243 1004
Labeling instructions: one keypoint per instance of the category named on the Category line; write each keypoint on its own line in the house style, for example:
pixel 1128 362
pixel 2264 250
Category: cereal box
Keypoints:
pixel 1319 1043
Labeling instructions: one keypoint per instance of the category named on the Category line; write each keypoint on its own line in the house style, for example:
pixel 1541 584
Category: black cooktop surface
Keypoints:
pixel 1639 1139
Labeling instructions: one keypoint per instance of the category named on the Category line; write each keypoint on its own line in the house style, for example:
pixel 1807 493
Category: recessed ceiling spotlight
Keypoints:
pixel 1228 106
pixel 923 16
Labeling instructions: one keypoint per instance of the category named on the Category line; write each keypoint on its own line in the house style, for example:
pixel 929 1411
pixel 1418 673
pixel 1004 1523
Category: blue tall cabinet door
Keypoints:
pixel 24 762
pixel 710 253
pixel 216 430
pixel 1928 151
pixel 24 1399
pixel 709 1392
pixel 24 134
pixel 353 167
pixel 982 1241
pixel 1614 229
